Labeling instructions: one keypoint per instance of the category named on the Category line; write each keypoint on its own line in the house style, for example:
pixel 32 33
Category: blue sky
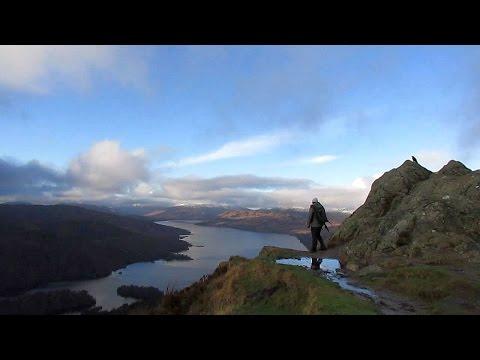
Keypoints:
pixel 139 123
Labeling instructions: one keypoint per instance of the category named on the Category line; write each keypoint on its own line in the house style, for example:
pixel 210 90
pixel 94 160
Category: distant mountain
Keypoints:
pixel 187 212
pixel 286 221
pixel 128 209
pixel 277 220
pixel 16 203
pixel 41 244
pixel 101 208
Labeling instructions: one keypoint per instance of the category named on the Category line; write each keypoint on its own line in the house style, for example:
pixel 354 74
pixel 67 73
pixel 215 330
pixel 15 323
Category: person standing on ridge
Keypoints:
pixel 317 218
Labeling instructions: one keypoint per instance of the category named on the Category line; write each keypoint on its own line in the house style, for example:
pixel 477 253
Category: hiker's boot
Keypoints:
pixel 322 246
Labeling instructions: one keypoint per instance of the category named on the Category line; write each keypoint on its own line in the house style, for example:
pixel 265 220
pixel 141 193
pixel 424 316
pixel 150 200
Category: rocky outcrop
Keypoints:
pixel 414 215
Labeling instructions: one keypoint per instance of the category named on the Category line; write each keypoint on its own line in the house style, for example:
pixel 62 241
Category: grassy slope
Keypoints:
pixel 259 286
pixel 443 289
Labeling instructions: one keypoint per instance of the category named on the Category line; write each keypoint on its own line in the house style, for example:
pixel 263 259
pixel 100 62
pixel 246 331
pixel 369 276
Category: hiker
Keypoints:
pixel 316 220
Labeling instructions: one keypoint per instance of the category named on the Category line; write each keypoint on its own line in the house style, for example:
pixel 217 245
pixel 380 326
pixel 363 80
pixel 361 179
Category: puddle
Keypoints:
pixel 330 269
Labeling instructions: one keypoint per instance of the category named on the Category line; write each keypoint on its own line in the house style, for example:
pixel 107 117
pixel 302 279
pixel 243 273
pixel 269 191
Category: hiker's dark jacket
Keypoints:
pixel 313 220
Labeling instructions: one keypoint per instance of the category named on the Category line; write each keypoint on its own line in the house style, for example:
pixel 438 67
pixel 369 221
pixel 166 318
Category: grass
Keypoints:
pixel 442 289
pixel 261 287
pixel 273 253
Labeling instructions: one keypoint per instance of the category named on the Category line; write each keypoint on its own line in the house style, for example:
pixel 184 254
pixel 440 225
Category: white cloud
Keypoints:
pixel 316 160
pixel 320 159
pixel 256 191
pixel 245 147
pixel 332 197
pixel 365 182
pixel 143 189
pixel 108 167
pixel 433 160
pixel 360 183
pixel 39 68
pixel 108 174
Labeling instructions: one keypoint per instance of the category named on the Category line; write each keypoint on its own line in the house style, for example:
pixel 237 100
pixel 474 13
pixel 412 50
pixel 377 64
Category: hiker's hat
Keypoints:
pixel 314 200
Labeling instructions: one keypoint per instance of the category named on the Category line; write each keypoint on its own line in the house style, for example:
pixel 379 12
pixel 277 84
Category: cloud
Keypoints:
pixel 193 186
pixel 293 92
pixel 331 197
pixel 107 174
pixel 316 160
pixel 298 86
pixel 107 167
pixel 320 159
pixel 433 160
pixel 29 180
pixel 256 191
pixel 365 182
pixel 246 147
pixel 39 68
pixel 105 171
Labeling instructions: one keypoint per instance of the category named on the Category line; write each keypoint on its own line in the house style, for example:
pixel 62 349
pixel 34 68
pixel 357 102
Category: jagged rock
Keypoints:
pixel 454 168
pixel 412 213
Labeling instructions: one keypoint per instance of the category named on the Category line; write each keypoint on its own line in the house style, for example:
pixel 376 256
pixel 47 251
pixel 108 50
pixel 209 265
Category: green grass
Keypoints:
pixel 261 287
pixel 444 290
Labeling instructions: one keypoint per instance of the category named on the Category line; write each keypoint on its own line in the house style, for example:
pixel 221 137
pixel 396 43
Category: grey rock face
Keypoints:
pixel 412 213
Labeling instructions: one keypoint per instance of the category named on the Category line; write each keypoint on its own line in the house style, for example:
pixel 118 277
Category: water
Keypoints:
pixel 330 270
pixel 211 245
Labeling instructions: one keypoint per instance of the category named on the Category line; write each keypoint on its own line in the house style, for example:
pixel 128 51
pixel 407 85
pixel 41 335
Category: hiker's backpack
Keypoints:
pixel 320 214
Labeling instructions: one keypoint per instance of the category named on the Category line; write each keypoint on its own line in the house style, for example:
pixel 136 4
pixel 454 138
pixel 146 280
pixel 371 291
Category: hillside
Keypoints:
pixel 286 221
pixel 418 233
pixel 41 244
pixel 199 212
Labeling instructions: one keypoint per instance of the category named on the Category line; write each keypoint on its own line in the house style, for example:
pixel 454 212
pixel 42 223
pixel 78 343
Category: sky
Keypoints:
pixel 251 126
